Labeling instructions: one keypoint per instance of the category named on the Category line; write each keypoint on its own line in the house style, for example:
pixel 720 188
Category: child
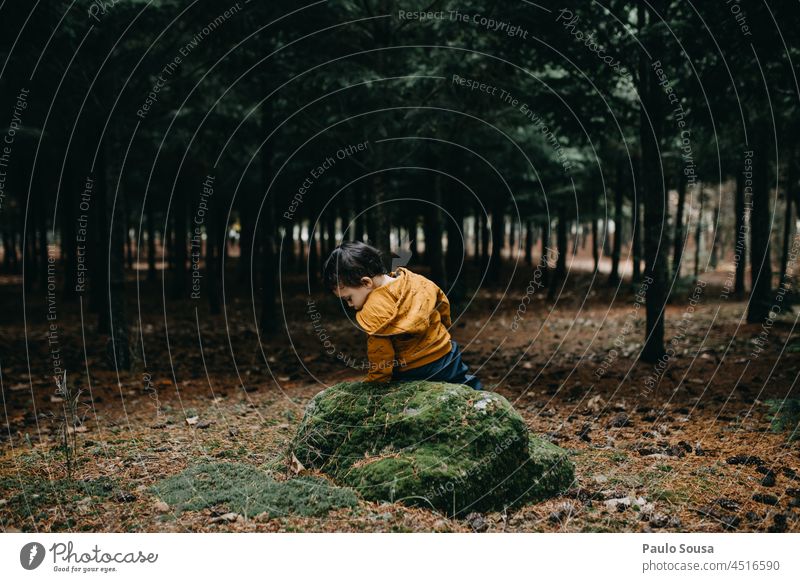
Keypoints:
pixel 405 315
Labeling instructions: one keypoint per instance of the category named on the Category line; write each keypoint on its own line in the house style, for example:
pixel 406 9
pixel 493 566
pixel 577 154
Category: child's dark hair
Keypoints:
pixel 349 262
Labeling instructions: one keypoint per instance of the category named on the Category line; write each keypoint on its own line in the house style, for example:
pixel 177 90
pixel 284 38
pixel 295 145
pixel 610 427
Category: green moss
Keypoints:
pixel 431 444
pixel 243 489
pixel 30 496
pixel 785 416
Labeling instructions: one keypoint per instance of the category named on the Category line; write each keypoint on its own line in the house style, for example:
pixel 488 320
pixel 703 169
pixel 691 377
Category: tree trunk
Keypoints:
pixel 359 216
pixel 433 235
pixel 498 240
pixel 740 246
pixel 761 267
pixel 636 234
pixel 269 306
pixel 679 241
pixel 151 245
pixel 180 252
pixel 381 224
pixel 456 254
pixel 313 257
pixel 117 348
pixel 562 228
pixel 484 242
pixel 616 253
pixel 477 232
pixel 715 242
pixel 529 242
pixel 698 233
pixel 99 269
pixel 789 215
pixel 248 209
pixel 69 257
pixel 215 241
pixel 544 261
pixel 595 242
pixel 655 199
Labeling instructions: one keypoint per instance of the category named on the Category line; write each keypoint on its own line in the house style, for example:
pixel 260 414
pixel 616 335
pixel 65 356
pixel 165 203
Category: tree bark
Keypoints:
pixel 562 228
pixel 679 243
pixel 655 199
pixel 616 253
pixel 117 348
pixel 180 219
pixel 698 233
pixel 789 215
pixel 740 246
pixel 595 242
pixel 380 216
pixel 529 242
pixel 99 270
pixel 544 260
pixel 498 240
pixel 151 245
pixel 760 256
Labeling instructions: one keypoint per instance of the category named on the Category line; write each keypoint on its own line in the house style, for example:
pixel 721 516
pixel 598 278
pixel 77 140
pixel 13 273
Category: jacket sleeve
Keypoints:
pixel 380 352
pixel 443 307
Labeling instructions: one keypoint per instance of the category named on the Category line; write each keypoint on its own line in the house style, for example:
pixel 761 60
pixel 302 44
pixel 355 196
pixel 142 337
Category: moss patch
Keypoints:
pixel 430 444
pixel 243 489
pixel 32 496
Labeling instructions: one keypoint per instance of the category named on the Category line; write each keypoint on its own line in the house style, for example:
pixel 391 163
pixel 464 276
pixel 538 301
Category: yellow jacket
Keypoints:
pixel 406 322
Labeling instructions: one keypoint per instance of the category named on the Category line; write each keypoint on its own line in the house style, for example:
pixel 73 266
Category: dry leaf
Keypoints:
pixel 296 466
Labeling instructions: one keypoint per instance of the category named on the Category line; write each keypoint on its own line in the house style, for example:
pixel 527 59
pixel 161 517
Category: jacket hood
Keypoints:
pixel 402 306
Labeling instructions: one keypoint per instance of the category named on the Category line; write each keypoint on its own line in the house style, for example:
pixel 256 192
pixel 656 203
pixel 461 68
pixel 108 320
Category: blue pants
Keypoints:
pixel 449 368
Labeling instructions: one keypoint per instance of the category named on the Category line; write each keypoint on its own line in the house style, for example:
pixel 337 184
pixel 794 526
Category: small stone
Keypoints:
pixel 676 451
pixel 563 512
pixel 765 498
pixel 658 520
pixel 769 479
pixel 778 524
pixel 204 424
pixel 619 421
pixel 790 473
pixel 728 504
pixel 752 517
pixel 124 497
pixel 225 517
pixel 161 506
pixel 477 522
pixel 192 420
pixel 744 460
pixel 674 523
pixel 730 522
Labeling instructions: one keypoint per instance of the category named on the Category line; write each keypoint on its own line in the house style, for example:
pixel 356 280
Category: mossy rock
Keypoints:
pixel 430 444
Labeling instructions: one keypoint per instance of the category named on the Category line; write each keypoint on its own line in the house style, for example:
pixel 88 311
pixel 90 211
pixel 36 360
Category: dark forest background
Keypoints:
pixel 180 148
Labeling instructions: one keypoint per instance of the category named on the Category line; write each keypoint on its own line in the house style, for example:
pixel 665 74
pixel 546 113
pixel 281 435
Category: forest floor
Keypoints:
pixel 697 448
